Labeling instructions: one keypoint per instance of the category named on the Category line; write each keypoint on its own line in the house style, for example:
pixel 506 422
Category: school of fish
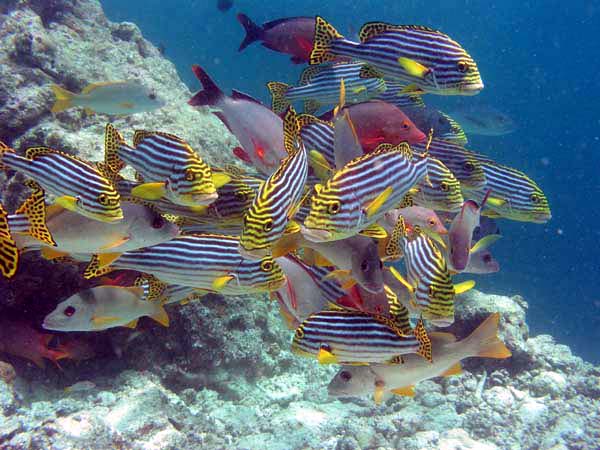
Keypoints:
pixel 356 214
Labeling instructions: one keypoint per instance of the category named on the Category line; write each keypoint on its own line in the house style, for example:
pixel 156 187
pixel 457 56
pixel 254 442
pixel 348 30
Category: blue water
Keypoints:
pixel 538 65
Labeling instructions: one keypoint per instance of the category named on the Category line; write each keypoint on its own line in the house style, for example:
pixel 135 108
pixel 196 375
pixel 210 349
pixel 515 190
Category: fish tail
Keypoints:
pixel 484 341
pixel 34 209
pixel 278 91
pixel 3 150
pixel 9 254
pixel 64 99
pixel 211 92
pixel 325 34
pixel 253 32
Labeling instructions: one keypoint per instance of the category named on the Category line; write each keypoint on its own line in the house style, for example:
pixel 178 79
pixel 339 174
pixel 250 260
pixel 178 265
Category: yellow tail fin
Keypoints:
pixel 484 341
pixel 64 99
pixel 278 90
pixel 325 34
pixel 9 255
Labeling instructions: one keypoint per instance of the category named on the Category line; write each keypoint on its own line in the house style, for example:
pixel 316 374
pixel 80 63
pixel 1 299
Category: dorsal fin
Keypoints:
pixel 112 141
pixel 33 152
pixel 392 249
pixel 305 120
pixel 291 132
pixel 140 135
pixel 154 289
pixel 371 29
pixel 34 208
pixel 308 73
pixel 398 312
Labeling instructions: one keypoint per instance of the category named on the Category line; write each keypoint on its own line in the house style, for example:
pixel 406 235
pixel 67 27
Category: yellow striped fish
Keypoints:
pixel 78 185
pixel 277 199
pixel 168 165
pixel 441 191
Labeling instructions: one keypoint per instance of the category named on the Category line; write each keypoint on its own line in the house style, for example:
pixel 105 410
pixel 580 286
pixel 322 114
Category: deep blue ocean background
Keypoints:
pixel 540 62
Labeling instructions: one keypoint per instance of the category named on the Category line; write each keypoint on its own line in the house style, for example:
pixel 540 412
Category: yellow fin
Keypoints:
pixel 379 391
pixel 112 141
pixel 34 208
pixel 342 99
pixel 456 369
pixel 495 201
pixel 292 227
pixel 286 244
pixel 50 253
pixel 412 89
pixel 220 179
pixel 340 274
pixel 401 279
pixel 319 165
pixel 161 317
pixel 464 286
pixel 220 282
pixel 325 34
pixel 413 67
pixel 9 254
pixel 67 202
pixel 116 243
pixel 94 270
pixel 278 90
pixel 485 242
pixel 104 320
pixel 132 324
pixel 348 283
pixel 149 191
pixel 406 391
pixel 378 202
pixel 321 261
pixel 359 89
pixel 64 99
pixel 485 339
pixel 90 87
pixel 326 357
pixel 104 259
pixel 374 231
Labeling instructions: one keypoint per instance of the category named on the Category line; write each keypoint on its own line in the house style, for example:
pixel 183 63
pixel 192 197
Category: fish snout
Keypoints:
pixel 315 234
pixel 254 253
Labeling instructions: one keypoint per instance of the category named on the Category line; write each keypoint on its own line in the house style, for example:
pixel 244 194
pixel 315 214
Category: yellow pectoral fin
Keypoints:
pixel 412 89
pixel 149 191
pixel 326 357
pixel 402 280
pixel 485 242
pixel 220 282
pixel 495 201
pixel 413 67
pixel 100 321
pixel 359 89
pixel 319 165
pixel 340 274
pixel 407 391
pixel 291 227
pixel 378 202
pixel 374 231
pixel 456 369
pixel 220 179
pixel 115 243
pixel 67 202
pixel 463 287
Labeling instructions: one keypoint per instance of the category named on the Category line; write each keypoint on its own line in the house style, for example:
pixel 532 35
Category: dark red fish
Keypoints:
pixel 292 35
pixel 378 122
pixel 21 339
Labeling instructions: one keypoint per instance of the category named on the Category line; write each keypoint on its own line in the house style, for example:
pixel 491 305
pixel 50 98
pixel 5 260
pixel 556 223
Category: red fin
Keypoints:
pixel 211 93
pixel 305 44
pixel 241 154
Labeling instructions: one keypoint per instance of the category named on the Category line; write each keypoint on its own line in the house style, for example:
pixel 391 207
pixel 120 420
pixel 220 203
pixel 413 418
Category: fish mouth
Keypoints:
pixel 442 322
pixel 197 199
pixel 276 285
pixel 47 325
pixel 315 234
pixel 542 217
pixel 373 288
pixel 104 218
pixel 471 89
pixel 253 253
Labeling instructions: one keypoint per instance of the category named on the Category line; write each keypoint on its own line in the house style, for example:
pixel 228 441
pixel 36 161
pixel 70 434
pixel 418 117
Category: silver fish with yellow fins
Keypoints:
pixel 103 307
pixel 426 60
pixel 341 336
pixel 382 380
pixel 78 185
pixel 113 98
pixel 168 165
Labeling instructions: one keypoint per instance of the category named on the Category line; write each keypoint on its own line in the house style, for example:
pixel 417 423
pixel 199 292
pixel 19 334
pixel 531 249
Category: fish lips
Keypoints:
pixel 254 253
pixel 471 89
pixel 197 199
pixel 315 234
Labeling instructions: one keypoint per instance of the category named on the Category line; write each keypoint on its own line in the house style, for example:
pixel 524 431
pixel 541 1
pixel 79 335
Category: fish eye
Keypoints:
pixel 69 311
pixel 462 66
pixel 268 225
pixel 240 196
pixel 152 96
pixel 364 266
pixel 444 186
pixel 431 222
pixel 103 199
pixel 334 207
pixel 158 222
pixel 469 166
pixel 535 198
pixel 345 375
pixel 190 175
pixel 405 125
pixel 299 333
pixel 266 266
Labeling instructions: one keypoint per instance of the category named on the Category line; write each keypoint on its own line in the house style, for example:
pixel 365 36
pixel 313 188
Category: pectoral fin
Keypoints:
pixel 463 287
pixel 378 202
pixel 374 231
pixel 67 202
pixel 326 357
pixel 413 67
pixel 220 179
pixel 485 242
pixel 149 191
pixel 220 282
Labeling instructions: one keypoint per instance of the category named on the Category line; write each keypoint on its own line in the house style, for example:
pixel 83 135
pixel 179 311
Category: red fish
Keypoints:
pixel 20 339
pixel 258 129
pixel 378 122
pixel 293 36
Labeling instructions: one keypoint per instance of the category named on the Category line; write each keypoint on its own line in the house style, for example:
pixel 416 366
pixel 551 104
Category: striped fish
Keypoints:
pixel 427 60
pixel 320 85
pixel 209 262
pixel 441 191
pixel 461 162
pixel 78 185
pixel 358 195
pixel 423 116
pixel 428 277
pixel 348 336
pixel 513 194
pixel 168 165
pixel 318 136
pixel 277 198
pixel 156 290
pixel 9 253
